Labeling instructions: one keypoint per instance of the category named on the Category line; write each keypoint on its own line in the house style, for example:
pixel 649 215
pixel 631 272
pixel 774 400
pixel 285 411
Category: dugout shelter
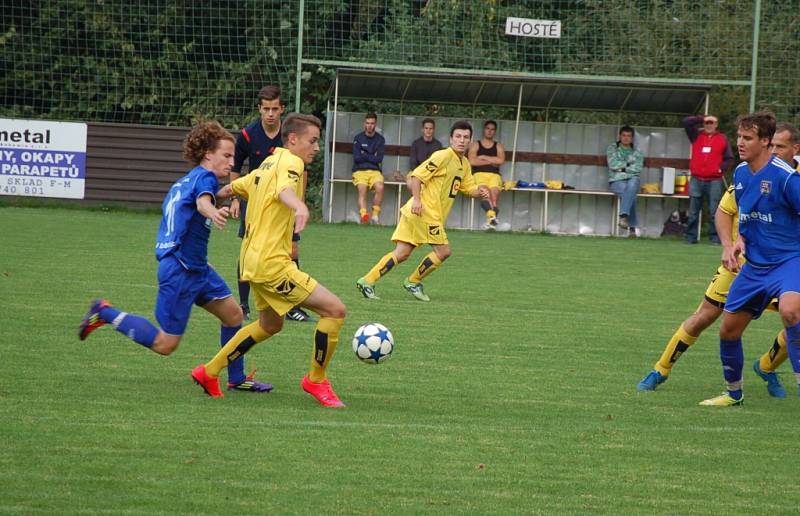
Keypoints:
pixel 573 153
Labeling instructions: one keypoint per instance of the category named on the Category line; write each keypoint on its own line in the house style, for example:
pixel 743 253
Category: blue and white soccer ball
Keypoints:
pixel 373 343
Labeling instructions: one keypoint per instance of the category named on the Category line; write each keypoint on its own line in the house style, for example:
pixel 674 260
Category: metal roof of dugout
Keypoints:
pixel 529 91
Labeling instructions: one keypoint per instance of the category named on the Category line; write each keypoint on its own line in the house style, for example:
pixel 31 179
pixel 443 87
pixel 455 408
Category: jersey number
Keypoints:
pixel 169 212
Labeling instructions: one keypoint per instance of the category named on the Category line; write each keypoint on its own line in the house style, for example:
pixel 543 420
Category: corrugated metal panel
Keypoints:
pixel 538 92
pixel 132 164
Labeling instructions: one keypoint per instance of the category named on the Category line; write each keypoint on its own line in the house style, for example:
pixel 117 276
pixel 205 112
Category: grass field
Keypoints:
pixel 513 391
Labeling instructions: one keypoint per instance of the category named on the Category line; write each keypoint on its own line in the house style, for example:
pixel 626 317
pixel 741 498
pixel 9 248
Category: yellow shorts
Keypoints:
pixel 289 288
pixel 717 291
pixel 415 231
pixel 367 177
pixel 489 179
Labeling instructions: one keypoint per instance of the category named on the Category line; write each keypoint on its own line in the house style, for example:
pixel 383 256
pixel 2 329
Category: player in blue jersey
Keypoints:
pixel 767 192
pixel 184 276
pixel 256 142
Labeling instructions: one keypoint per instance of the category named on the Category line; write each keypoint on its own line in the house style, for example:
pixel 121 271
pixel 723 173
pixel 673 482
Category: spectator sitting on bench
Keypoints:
pixel 368 148
pixel 625 163
pixel 486 157
pixel 425 145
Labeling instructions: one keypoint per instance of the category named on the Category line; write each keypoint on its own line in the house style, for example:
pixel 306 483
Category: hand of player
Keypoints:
pixel 220 217
pixel 300 218
pixel 730 255
pixel 235 208
pixel 483 192
pixel 416 206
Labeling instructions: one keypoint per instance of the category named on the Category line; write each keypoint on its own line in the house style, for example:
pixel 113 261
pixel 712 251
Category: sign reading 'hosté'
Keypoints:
pixel 533 28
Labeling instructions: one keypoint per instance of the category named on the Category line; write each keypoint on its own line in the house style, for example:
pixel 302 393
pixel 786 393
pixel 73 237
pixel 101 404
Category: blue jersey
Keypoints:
pixel 769 212
pixel 183 231
pixel 254 146
pixel 368 151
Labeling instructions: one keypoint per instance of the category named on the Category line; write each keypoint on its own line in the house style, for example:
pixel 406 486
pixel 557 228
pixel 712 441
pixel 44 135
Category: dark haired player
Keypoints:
pixel 433 186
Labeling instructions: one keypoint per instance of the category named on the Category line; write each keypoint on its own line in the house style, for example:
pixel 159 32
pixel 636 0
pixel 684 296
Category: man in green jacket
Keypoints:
pixel 625 163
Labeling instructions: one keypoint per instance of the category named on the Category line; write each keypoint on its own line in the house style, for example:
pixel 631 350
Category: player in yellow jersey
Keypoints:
pixel 785 145
pixel 275 211
pixel 433 185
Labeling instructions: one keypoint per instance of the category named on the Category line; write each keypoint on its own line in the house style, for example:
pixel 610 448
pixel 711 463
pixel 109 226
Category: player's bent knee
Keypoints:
pixel 443 254
pixel 233 319
pixel 166 344
pixel 338 310
pixel 790 317
pixel 402 255
pixel 272 327
pixel 730 332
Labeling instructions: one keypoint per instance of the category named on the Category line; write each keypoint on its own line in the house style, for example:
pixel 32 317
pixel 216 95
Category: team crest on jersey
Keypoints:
pixel 455 186
pixel 285 287
pixel 766 186
pixel 434 230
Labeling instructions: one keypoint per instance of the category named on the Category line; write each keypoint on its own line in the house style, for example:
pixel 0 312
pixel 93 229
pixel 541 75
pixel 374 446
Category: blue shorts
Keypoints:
pixel 179 289
pixel 754 287
pixel 243 212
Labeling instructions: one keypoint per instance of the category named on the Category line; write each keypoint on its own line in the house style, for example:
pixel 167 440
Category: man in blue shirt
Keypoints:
pixel 184 276
pixel 368 147
pixel 767 192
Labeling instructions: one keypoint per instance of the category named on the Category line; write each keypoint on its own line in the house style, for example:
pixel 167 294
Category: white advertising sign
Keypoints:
pixel 42 159
pixel 533 28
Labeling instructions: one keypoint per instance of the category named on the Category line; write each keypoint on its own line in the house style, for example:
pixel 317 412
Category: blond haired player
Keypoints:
pixel 274 192
pixel 434 185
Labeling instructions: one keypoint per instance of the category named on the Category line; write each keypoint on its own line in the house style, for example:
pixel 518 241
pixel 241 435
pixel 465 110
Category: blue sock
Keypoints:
pixel 235 368
pixel 135 327
pixel 793 347
pixel 731 355
pixel 108 314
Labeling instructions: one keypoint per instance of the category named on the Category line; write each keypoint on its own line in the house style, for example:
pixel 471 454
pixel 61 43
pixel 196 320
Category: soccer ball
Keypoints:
pixel 373 343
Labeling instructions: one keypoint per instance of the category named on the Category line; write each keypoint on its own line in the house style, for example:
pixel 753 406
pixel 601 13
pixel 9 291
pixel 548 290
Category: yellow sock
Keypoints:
pixel 490 214
pixel 326 336
pixel 776 355
pixel 376 210
pixel 680 342
pixel 245 338
pixel 430 263
pixel 383 266
pixel 362 212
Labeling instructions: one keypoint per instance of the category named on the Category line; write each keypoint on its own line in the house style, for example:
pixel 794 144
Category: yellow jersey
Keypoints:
pixel 442 175
pixel 728 205
pixel 269 224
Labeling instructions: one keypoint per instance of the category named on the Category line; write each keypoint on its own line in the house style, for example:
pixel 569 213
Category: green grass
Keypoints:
pixel 513 391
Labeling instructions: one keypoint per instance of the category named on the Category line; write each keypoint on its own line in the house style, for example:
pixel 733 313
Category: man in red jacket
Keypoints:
pixel 711 157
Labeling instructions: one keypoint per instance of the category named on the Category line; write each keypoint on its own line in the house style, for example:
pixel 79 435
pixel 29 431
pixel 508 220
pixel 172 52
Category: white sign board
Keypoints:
pixel 42 159
pixel 533 28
